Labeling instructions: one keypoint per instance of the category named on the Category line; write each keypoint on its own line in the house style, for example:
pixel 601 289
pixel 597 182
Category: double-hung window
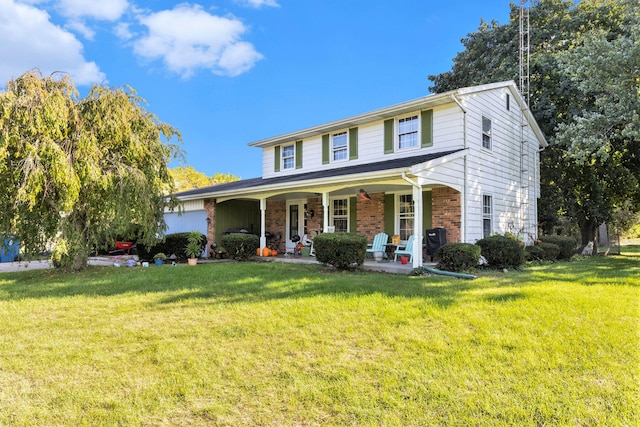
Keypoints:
pixel 486 133
pixel 339 143
pixel 288 157
pixel 487 213
pixel 340 214
pixel 406 215
pixel 408 132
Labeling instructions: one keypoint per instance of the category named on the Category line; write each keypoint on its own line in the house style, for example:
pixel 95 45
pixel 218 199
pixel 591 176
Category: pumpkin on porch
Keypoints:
pixel 274 252
pixel 266 252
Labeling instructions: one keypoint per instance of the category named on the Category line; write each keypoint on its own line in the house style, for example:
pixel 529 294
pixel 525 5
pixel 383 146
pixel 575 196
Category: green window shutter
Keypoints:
pixel 276 159
pixel 426 210
pixel 325 149
pixel 353 143
pixel 388 136
pixel 389 214
pixel 427 128
pixel 298 154
pixel 353 214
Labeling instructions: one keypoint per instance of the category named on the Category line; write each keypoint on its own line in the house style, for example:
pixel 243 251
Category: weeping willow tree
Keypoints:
pixel 77 173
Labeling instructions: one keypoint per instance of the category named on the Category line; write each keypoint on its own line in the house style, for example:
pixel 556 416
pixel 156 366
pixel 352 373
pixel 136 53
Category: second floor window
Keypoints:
pixel 408 132
pixel 288 157
pixel 339 149
pixel 486 133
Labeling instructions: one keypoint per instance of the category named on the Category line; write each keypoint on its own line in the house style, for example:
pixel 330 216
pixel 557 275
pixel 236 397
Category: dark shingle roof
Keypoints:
pixel 244 184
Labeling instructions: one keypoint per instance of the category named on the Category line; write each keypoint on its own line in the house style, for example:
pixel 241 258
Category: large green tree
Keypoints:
pixel 583 93
pixel 187 178
pixel 78 173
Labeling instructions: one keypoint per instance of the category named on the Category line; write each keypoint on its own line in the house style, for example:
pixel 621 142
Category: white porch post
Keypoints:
pixel 263 223
pixel 417 226
pixel 325 210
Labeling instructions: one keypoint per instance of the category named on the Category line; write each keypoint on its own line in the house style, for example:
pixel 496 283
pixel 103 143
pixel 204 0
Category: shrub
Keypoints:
pixel 173 244
pixel 551 251
pixel 502 251
pixel 534 253
pixel 458 256
pixel 341 250
pixel 240 246
pixel 566 244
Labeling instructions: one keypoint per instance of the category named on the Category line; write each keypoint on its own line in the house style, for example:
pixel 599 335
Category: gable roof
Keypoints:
pixel 428 101
pixel 263 183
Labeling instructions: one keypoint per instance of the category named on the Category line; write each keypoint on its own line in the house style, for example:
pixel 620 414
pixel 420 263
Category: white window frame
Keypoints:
pixel 487 139
pixel 341 149
pixel 341 216
pixel 487 214
pixel 400 216
pixel 288 158
pixel 411 131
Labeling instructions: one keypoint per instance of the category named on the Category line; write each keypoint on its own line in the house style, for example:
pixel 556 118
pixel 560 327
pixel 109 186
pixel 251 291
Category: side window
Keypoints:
pixel 340 214
pixel 339 150
pixel 487 214
pixel 408 132
pixel 486 133
pixel 288 157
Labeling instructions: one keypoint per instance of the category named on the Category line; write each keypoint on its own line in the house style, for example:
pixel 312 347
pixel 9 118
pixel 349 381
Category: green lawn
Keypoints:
pixel 268 344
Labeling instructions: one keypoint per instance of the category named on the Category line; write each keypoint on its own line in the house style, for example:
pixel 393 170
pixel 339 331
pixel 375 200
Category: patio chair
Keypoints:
pixel 379 244
pixel 406 251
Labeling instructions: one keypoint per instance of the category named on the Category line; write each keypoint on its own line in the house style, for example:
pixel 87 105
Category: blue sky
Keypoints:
pixel 230 72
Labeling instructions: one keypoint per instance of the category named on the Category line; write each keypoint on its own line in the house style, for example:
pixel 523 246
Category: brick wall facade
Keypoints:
pixel 370 215
pixel 210 208
pixel 446 212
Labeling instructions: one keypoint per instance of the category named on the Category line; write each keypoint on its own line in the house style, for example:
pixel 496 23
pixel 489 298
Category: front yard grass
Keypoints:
pixel 269 344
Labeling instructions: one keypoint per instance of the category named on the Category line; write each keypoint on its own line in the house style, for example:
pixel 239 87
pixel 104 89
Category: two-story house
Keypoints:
pixel 465 160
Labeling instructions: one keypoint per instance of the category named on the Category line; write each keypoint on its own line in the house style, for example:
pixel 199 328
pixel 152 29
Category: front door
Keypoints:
pixel 296 223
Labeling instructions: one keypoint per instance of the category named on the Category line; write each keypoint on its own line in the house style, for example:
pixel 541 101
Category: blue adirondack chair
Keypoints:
pixel 407 251
pixel 379 244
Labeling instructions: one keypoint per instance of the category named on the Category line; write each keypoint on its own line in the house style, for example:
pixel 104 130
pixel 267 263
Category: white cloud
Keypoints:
pixel 110 10
pixel 258 3
pixel 29 40
pixel 187 39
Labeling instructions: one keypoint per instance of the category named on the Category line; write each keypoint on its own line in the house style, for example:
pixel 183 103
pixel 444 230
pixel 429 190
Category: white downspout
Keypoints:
pixel 417 221
pixel 463 208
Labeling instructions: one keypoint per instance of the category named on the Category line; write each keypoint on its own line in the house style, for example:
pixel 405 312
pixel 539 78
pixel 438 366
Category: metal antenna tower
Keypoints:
pixel 524 51
pixel 527 161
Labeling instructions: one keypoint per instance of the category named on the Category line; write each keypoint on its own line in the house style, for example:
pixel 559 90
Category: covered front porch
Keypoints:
pixel 397 207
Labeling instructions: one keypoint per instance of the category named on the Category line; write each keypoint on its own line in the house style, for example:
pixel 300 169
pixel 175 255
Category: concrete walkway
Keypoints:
pixel 107 261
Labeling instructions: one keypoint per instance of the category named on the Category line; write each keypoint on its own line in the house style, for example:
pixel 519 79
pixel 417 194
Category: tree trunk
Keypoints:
pixel 588 234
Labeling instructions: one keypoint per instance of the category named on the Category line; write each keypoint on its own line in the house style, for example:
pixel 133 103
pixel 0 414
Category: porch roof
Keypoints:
pixel 257 183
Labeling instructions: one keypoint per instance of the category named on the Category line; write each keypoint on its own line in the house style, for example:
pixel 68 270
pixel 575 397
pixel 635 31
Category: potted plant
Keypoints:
pixel 159 258
pixel 194 247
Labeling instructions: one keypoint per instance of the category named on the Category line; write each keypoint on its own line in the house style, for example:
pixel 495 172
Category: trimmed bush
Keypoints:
pixel 240 246
pixel 551 251
pixel 173 244
pixel 566 244
pixel 341 250
pixel 502 252
pixel 534 253
pixel 458 257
